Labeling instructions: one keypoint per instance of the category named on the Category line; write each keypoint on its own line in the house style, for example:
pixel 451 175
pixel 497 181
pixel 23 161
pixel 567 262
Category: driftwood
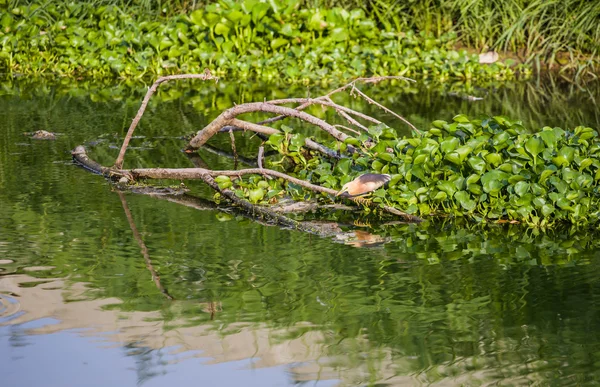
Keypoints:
pixel 229 121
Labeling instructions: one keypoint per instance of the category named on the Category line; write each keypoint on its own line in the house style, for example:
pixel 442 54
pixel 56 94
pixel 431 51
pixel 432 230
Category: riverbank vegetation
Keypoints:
pixel 322 40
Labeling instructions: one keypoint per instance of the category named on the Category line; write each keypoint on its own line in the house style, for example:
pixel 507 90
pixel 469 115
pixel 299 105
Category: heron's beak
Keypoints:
pixel 343 190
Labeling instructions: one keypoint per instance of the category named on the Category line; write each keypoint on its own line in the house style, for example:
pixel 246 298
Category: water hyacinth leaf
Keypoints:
pixel 564 203
pixel 449 145
pixel 538 190
pixel 343 166
pixel 461 118
pixel 539 202
pixel 585 163
pixel 477 164
pixel 584 181
pixel 549 138
pixel 534 146
pixel 492 181
pixel 494 159
pixel 222 179
pixel 473 178
pixel 464 198
pixel 352 141
pixel 447 187
pixel 454 158
pixel 500 138
pixel 377 165
pixel 420 159
pixel 475 189
pixel 275 139
pixel 389 157
pixel 567 152
pixel 279 42
pixel 569 174
pixel 547 210
pixel 559 184
pixel 545 174
pixel 463 152
pixel 514 179
pixel 494 175
pixel 412 209
pixel 521 188
pixel 439 124
pixel 376 130
pixel 572 195
pixel 440 196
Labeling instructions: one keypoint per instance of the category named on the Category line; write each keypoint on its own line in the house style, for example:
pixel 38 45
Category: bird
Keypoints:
pixel 364 185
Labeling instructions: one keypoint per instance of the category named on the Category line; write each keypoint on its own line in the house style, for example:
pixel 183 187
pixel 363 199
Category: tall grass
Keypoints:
pixel 539 31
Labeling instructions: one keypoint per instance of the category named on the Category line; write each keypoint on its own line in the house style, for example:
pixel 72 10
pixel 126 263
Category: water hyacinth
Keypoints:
pixel 235 40
pixel 491 169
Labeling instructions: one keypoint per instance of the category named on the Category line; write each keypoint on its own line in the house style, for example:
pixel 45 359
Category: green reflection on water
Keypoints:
pixel 433 302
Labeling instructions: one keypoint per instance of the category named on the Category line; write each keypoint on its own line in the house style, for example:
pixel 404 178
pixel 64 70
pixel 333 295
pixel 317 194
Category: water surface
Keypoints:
pixel 99 287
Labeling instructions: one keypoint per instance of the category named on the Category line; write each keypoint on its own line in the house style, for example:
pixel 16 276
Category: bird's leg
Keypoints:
pixel 363 200
pixel 358 223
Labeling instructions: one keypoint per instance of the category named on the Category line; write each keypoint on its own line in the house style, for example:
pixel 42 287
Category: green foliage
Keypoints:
pixel 490 169
pixel 249 39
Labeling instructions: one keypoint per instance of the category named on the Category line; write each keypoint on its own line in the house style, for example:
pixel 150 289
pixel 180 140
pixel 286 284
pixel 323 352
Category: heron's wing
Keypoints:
pixel 374 178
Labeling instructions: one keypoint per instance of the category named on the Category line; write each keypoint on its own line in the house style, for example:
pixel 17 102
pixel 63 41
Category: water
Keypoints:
pixel 99 288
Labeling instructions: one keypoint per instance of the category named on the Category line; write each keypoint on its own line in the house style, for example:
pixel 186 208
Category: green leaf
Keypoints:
pixel 222 179
pixel 343 166
pixel 461 118
pixel 521 188
pixel 493 181
pixel 547 209
pixel 494 159
pixel 477 164
pixel 339 34
pixel 464 198
pixel 545 174
pixel 449 145
pixel 221 29
pixel 256 195
pixel 439 124
pixel 446 187
pixel 564 203
pixel 534 146
pixel 549 138
pixel 197 17
pixel 279 42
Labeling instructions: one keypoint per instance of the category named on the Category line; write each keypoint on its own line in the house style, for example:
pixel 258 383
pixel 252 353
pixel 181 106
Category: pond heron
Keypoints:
pixel 364 184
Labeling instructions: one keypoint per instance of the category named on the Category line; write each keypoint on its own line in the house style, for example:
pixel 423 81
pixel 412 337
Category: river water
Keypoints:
pixel 100 288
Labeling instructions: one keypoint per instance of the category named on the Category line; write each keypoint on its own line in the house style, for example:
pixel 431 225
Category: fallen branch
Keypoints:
pixel 229 115
pixel 207 175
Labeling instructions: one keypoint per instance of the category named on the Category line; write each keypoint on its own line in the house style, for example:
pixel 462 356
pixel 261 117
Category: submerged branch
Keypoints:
pixel 143 248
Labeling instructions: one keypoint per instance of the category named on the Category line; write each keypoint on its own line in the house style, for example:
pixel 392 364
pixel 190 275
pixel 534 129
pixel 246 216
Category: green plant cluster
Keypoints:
pixel 494 169
pixel 242 40
pixel 481 169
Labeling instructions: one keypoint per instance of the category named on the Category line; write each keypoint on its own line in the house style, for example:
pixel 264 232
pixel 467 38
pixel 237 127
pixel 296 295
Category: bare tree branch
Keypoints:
pixel 205 76
pixel 372 101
